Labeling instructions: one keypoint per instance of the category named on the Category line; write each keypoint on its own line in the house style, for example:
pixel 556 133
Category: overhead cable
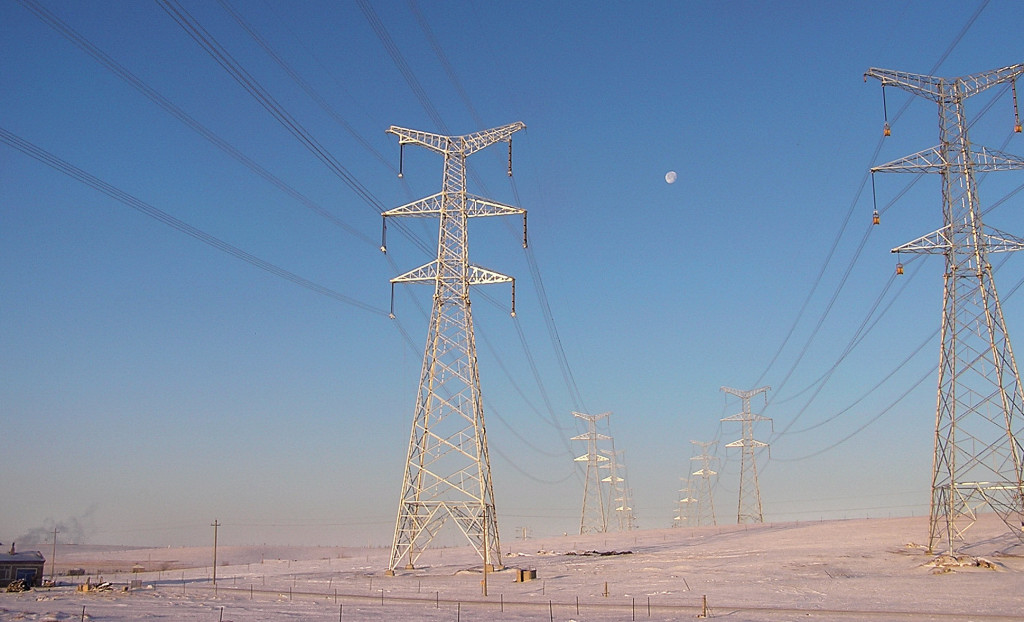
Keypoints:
pixel 135 82
pixel 137 204
pixel 216 51
pixel 306 87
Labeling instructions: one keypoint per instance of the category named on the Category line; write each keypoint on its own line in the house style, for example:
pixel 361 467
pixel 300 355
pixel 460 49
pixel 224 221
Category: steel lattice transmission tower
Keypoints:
pixel 685 513
pixel 593 515
pixel 749 509
pixel 619 491
pixel 705 501
pixel 978 422
pixel 448 471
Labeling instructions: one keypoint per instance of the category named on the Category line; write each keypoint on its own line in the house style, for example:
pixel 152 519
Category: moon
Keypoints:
pixel 670 177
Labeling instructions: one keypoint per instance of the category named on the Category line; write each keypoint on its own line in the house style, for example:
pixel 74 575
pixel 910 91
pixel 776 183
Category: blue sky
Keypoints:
pixel 150 383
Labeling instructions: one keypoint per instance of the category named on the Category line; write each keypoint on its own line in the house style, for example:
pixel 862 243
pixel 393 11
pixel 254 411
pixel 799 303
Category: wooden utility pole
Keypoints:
pixel 215 524
pixel 53 559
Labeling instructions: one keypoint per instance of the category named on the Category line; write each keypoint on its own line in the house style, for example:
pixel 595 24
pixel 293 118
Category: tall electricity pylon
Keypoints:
pixel 448 470
pixel 685 513
pixel 619 491
pixel 705 501
pixel 749 509
pixel 593 516
pixel 978 422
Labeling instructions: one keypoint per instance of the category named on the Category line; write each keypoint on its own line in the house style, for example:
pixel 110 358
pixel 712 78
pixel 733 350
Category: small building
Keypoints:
pixel 26 565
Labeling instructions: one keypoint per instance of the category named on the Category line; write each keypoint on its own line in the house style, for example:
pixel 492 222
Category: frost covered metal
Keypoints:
pixel 448 470
pixel 978 460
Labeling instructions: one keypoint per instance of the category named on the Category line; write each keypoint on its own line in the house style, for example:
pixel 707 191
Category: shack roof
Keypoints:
pixel 22 557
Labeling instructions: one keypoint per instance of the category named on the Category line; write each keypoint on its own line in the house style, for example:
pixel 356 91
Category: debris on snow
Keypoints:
pixel 948 563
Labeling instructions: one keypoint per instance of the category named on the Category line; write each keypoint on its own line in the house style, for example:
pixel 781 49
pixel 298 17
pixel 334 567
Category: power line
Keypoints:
pixel 403 67
pixel 978 458
pixel 853 203
pixel 216 51
pixel 400 62
pixel 545 307
pixel 303 84
pixel 447 470
pixel 445 64
pixel 844 278
pixel 864 329
pixel 137 204
pixel 156 97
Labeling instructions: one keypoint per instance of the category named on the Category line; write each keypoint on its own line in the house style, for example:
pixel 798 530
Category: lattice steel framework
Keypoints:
pixel 685 512
pixel 448 471
pixel 619 492
pixel 593 515
pixel 705 501
pixel 749 508
pixel 978 456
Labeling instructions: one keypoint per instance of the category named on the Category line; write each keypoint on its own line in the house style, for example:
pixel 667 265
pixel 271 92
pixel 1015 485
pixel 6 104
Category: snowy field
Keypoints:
pixel 837 570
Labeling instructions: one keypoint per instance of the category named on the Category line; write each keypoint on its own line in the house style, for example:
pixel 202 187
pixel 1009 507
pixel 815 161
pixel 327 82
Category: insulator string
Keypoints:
pixel 885 114
pixel 1016 116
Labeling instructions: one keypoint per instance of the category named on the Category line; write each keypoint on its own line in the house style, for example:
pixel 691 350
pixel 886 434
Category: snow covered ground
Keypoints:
pixel 836 570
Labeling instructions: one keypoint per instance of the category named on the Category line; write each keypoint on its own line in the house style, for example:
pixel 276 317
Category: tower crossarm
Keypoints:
pixel 475 207
pixel 483 276
pixel 931 160
pixel 987 160
pixel 745 416
pixel 704 457
pixel 928 161
pixel 940 241
pixel 997 241
pixel 934 243
pixel 747 443
pixel 588 457
pixel 464 145
pixel 477 141
pixel 942 89
pixel 745 395
pixel 478 206
pixel 434 142
pixel 925 86
pixel 427 273
pixel 425 207
pixel 588 436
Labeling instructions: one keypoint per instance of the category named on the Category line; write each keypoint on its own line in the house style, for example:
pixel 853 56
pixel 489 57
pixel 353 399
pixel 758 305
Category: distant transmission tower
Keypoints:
pixel 593 516
pixel 705 502
pixel 749 510
pixel 448 470
pixel 978 424
pixel 619 491
pixel 686 512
